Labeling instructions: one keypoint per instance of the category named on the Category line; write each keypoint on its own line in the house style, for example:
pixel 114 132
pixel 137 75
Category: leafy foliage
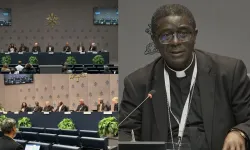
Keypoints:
pixel 108 127
pixel 24 122
pixel 98 60
pixel 71 60
pixel 33 60
pixel 66 123
pixel 6 59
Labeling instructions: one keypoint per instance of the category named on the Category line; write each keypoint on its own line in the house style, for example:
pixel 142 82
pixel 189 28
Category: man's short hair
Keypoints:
pixel 8 125
pixel 19 62
pixel 171 10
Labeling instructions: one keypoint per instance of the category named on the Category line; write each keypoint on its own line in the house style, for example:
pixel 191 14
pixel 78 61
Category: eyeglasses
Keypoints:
pixel 181 36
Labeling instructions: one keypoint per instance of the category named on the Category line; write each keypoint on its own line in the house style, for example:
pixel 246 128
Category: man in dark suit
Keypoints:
pixel 213 88
pixel 61 107
pixel 23 48
pixel 36 48
pixel 115 102
pixel 9 129
pixel 80 48
pixel 82 106
pixel 12 48
pixel 48 107
pixel 37 108
pixel 50 48
pixel 92 47
pixel 67 48
pixel 101 105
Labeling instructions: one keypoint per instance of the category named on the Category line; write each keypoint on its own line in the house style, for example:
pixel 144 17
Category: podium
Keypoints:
pixel 151 146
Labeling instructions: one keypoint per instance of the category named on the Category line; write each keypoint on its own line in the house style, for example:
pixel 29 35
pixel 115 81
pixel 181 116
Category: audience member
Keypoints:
pixel 19 67
pixel 5 68
pixel 7 142
pixel 28 69
pixel 13 71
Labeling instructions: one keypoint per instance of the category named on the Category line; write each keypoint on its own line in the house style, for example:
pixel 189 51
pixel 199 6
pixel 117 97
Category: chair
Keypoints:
pixel 88 65
pixel 89 133
pixel 48 138
pixel 64 147
pixel 1 133
pixel 93 72
pixel 43 146
pixel 70 132
pixel 53 131
pixel 94 143
pixel 69 140
pixel 78 65
pixel 26 129
pixel 19 135
pixel 30 136
pixel 22 142
pixel 38 129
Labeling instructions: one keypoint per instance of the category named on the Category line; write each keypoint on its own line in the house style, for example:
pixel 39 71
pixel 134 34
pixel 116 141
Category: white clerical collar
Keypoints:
pixel 182 73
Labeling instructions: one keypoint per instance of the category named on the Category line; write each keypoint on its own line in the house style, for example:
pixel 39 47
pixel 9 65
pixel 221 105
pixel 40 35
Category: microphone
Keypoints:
pixel 150 95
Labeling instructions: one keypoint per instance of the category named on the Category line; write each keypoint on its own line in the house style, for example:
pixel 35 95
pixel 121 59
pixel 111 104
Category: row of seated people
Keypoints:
pixel 9 140
pixel 92 70
pixel 63 108
pixel 19 69
pixel 50 48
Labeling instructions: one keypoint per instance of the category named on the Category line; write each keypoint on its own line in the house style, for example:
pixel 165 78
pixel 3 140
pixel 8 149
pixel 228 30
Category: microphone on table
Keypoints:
pixel 150 95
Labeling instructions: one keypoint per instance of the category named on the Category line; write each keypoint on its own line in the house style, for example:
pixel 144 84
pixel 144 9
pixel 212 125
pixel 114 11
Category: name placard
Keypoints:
pixel 16 112
pixel 35 53
pixel 67 113
pixel 46 113
pixel 107 112
pixel 87 112
pixel 51 53
pixel 30 113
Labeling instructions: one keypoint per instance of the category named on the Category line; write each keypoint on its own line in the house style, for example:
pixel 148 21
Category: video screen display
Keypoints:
pixel 15 79
pixel 5 17
pixel 106 16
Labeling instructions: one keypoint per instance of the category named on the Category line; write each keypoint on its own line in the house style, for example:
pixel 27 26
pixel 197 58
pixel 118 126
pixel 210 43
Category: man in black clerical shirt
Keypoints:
pixel 37 107
pixel 80 48
pixel 67 48
pixel 7 142
pixel 50 48
pixel 36 48
pixel 209 91
pixel 48 107
pixel 82 106
pixel 23 48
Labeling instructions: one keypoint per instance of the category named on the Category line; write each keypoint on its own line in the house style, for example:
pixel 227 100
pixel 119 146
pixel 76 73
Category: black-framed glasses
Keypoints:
pixel 181 36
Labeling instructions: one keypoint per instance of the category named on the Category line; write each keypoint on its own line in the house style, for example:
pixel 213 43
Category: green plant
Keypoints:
pixel 24 122
pixel 98 59
pixel 108 127
pixel 6 59
pixel 33 60
pixel 66 123
pixel 2 118
pixel 71 60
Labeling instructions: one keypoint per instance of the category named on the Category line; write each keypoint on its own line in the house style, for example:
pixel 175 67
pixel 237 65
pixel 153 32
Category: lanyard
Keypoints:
pixel 185 111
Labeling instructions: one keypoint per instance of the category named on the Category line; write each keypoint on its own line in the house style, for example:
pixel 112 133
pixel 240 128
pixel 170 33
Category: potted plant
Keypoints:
pixel 33 60
pixel 108 127
pixel 70 60
pixel 24 122
pixel 98 60
pixel 66 124
pixel 2 118
pixel 6 59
